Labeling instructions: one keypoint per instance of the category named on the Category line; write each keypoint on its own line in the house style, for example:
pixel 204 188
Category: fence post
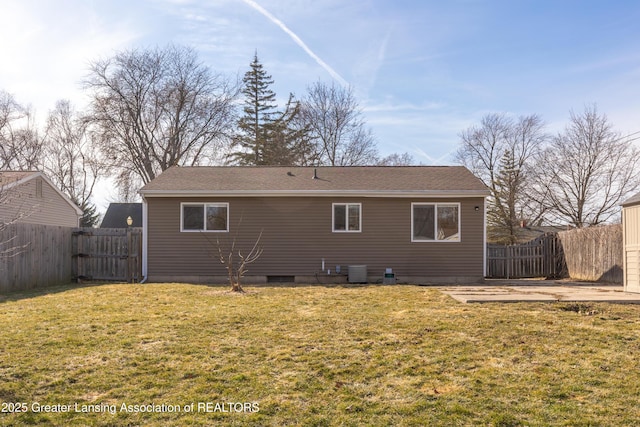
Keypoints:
pixel 80 258
pixel 129 275
pixel 508 260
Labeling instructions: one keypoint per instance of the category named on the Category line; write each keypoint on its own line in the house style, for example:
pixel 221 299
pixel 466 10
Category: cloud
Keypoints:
pixel 297 40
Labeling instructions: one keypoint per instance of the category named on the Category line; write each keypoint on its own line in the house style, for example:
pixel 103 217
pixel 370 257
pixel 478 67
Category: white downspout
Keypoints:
pixel 484 238
pixel 145 244
pixel 624 251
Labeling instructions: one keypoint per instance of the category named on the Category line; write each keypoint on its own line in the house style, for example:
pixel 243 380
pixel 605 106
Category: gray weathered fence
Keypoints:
pixel 42 258
pixel 541 257
pixel 594 253
pixel 113 254
pixel 47 255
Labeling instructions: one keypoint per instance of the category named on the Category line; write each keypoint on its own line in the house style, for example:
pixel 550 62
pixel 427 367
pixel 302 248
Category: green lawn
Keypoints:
pixel 369 355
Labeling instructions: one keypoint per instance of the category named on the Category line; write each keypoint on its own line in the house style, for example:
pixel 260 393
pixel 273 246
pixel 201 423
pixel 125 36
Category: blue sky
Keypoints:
pixel 422 70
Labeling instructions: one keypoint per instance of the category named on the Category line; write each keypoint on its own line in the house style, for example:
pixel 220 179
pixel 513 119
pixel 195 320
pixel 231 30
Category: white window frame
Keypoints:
pixel 346 205
pixel 204 213
pixel 435 222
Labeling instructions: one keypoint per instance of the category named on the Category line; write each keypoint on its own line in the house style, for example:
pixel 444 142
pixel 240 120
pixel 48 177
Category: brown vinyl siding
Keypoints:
pixel 297 234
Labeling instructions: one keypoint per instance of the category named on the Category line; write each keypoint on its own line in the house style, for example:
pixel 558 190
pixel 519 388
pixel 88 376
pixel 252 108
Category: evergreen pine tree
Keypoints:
pixel 268 136
pixel 90 214
pixel 502 216
pixel 288 141
pixel 259 111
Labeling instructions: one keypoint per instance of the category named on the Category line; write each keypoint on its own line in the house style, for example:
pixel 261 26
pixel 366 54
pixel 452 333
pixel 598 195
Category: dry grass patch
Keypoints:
pixel 370 355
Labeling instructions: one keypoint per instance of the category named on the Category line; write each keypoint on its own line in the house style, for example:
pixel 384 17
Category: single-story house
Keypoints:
pixel 631 243
pixel 118 213
pixel 316 225
pixel 30 197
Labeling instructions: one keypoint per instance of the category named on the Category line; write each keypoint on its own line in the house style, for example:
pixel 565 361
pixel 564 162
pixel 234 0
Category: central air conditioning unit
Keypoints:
pixel 357 274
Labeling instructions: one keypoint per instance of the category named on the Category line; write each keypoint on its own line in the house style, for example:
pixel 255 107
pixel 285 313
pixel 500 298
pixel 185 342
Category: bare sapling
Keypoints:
pixel 236 263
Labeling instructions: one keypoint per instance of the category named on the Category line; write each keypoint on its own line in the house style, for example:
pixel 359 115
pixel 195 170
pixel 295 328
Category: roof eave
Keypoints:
pixel 633 200
pixel 317 193
pixel 38 174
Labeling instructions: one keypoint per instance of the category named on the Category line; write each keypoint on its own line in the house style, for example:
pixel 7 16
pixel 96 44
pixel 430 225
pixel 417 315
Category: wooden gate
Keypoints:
pixel 542 257
pixel 110 254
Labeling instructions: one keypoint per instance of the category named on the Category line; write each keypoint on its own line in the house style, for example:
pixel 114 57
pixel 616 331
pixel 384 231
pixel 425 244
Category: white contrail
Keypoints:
pixel 434 161
pixel 297 40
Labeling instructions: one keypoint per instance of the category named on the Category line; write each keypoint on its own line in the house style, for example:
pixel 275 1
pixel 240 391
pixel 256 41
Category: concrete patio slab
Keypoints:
pixel 540 291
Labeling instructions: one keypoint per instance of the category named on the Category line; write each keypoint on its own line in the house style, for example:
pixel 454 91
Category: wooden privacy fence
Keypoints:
pixel 107 254
pixel 42 256
pixel 542 257
pixel 594 253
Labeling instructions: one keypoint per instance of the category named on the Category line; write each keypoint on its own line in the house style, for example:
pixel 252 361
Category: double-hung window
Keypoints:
pixel 204 217
pixel 347 217
pixel 435 222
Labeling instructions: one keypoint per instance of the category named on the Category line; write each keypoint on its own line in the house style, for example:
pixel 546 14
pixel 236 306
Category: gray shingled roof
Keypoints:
pixel 117 213
pixel 364 179
pixel 632 201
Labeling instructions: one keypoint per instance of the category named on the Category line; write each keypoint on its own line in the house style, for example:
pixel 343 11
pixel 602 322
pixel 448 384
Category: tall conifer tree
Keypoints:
pixel 503 216
pixel 266 135
pixel 259 111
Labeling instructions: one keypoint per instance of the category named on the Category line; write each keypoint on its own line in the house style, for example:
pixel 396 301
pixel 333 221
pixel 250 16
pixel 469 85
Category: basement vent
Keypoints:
pixel 281 279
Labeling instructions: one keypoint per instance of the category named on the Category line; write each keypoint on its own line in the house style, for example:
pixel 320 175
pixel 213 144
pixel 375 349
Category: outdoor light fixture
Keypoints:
pixel 129 221
pixel 477 208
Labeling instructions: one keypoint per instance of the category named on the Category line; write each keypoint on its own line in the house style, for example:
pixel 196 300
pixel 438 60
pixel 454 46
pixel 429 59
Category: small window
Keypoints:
pixel 205 217
pixel 435 222
pixel 347 217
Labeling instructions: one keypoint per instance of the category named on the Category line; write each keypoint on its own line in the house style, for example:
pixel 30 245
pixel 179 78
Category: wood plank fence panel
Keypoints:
pixel 108 254
pixel 541 257
pixel 44 261
pixel 54 255
pixel 594 253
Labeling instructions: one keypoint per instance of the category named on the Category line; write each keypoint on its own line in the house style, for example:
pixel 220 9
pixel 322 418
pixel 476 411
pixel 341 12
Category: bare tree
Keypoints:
pixel 159 108
pixel 395 159
pixel 586 171
pixel 236 263
pixel 71 158
pixel 336 125
pixel 499 152
pixel 20 143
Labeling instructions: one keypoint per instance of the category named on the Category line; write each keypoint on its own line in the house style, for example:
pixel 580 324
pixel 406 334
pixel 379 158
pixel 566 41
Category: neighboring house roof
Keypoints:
pixel 10 179
pixel 526 234
pixel 632 201
pixel 117 213
pixel 354 180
